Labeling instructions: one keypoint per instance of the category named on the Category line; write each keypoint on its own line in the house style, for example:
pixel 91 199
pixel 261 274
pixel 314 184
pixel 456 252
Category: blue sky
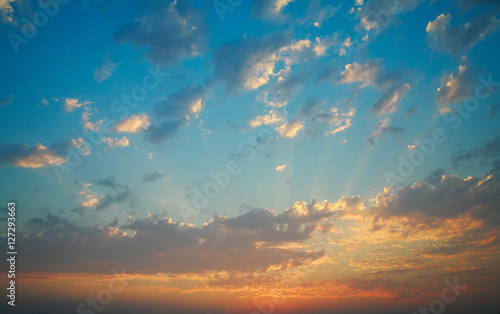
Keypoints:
pixel 308 100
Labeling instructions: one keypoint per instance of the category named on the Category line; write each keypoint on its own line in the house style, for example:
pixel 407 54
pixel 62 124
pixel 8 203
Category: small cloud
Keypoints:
pixel 269 9
pixel 115 142
pixel 411 147
pixel 456 86
pixel 289 129
pixel 281 168
pixel 271 118
pixel 104 72
pixel 71 104
pixel 394 85
pixel 6 100
pixel 493 111
pixel 152 176
pixel 133 124
pixel 411 111
pixel 34 157
pixel 39 188
pixel 81 145
pixel 45 102
pixel 382 128
pixel 150 155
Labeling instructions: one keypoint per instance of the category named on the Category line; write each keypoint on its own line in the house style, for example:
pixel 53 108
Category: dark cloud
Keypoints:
pixel 6 100
pixel 188 100
pixel 287 89
pixel 156 244
pixel 110 182
pixel 170 30
pixel 120 194
pixel 411 111
pixel 393 84
pixel 326 74
pixel 399 289
pixel 324 121
pixel 31 157
pixel 493 110
pixel 486 152
pixel 310 108
pixel 152 176
pixel 375 15
pixel 383 127
pixel 457 86
pixel 459 38
pixel 445 196
pixel 435 177
pixel 175 112
pixel 162 132
pixel 238 64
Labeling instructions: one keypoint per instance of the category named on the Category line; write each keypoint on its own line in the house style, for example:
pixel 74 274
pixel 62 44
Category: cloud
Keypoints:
pixel 81 145
pixel 323 45
pixel 104 72
pixel 459 38
pixel 317 120
pixel 164 131
pixel 7 11
pixel 91 200
pixel 316 13
pixel 493 110
pixel 444 196
pixel 287 88
pixel 152 176
pixel 249 62
pixel 116 142
pixel 383 128
pixel 246 243
pixel 290 128
pixel 326 74
pixel 456 86
pixel 6 100
pixel 35 157
pixel 468 4
pixel 281 168
pixel 111 183
pixel 169 30
pixel 132 124
pixel 189 100
pixel 376 15
pixel 269 9
pixel 393 85
pixel 486 152
pixel 272 117
pixel 176 111
pixel 71 104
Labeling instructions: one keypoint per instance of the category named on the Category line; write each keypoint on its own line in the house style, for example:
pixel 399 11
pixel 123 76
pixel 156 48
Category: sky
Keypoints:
pixel 237 156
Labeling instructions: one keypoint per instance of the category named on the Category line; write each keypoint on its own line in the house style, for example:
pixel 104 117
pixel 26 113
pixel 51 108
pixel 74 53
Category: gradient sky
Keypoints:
pixel 279 156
